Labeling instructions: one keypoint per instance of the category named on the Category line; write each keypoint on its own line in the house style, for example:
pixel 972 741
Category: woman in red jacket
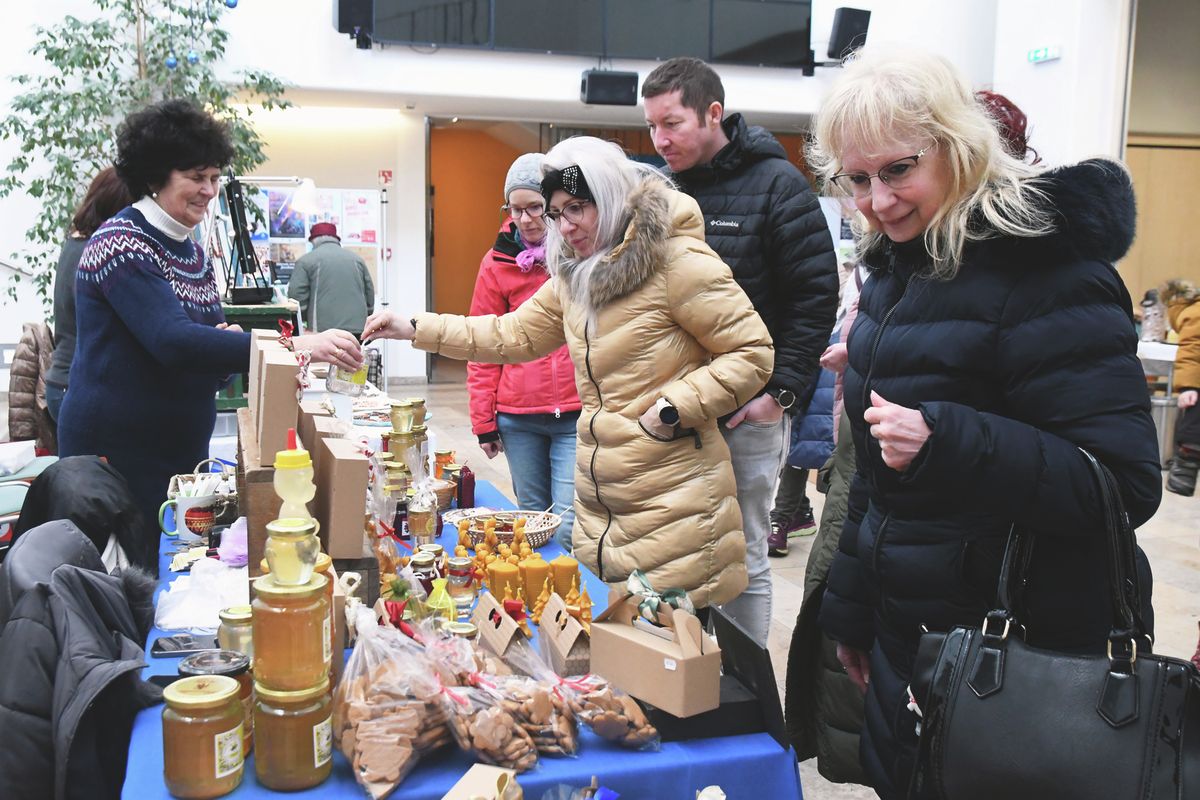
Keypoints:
pixel 527 411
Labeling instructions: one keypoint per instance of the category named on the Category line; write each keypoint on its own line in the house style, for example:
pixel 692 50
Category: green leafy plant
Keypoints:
pixel 131 54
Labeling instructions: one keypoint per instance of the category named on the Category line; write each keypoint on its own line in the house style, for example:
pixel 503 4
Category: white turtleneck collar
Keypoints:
pixel 160 219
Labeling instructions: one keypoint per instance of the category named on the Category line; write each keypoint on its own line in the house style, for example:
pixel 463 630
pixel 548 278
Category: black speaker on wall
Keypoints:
pixel 849 31
pixel 353 16
pixel 608 88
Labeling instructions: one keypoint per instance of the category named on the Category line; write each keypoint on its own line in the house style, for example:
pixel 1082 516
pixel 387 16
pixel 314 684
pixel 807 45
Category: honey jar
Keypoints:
pixel 294 734
pixel 325 567
pixel 292 634
pixel 235 632
pixel 202 737
pixel 231 664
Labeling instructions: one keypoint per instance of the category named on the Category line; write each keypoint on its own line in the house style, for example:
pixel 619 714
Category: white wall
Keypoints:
pixel 1075 105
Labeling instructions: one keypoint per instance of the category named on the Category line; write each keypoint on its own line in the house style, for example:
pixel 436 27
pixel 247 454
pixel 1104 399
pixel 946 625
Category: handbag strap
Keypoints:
pixel 1119 544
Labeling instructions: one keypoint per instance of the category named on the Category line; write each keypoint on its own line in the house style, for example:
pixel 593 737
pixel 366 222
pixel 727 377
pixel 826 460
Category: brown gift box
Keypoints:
pixel 260 342
pixel 497 630
pixel 341 501
pixel 563 640
pixel 680 674
pixel 310 410
pixel 323 428
pixel 279 407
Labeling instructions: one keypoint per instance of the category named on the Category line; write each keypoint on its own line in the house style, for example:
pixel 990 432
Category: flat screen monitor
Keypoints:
pixel 769 33
pixel 453 23
pixel 659 29
pixel 550 26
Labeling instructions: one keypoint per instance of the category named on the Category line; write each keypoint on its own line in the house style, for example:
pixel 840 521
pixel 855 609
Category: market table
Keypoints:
pixel 753 766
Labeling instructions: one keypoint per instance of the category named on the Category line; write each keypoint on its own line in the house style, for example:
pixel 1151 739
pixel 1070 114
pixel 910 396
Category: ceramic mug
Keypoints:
pixel 197 514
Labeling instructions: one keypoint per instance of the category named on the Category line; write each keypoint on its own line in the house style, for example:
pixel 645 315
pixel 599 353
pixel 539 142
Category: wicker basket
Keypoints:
pixel 539 525
pixel 445 492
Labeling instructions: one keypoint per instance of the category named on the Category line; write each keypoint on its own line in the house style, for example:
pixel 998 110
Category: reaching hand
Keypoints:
pixel 333 347
pixel 492 449
pixel 387 324
pixel 1188 399
pixel 225 326
pixel 764 409
pixel 901 431
pixel 857 665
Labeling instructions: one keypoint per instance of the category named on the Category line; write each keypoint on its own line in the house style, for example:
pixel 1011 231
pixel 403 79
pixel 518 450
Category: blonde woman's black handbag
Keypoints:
pixel 1002 719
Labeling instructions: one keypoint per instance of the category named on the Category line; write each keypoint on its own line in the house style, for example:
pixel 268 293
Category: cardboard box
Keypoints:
pixel 260 340
pixel 324 428
pixel 485 782
pixel 680 674
pixel 305 429
pixel 497 630
pixel 257 501
pixel 564 642
pixel 341 501
pixel 339 628
pixel 279 408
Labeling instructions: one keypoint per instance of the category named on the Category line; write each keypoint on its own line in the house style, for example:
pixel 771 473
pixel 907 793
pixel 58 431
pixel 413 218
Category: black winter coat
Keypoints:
pixel 1027 355
pixel 70 654
pixel 765 222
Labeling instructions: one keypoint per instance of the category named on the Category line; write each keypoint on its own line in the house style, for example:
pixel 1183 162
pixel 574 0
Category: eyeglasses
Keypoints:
pixel 534 211
pixel 572 211
pixel 896 175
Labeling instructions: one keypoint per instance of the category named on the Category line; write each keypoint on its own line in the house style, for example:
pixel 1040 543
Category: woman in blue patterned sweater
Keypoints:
pixel 152 343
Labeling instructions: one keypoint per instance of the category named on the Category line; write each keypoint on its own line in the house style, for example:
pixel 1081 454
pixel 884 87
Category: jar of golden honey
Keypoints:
pixel 234 665
pixel 325 567
pixel 202 737
pixel 292 634
pixel 236 632
pixel 294 737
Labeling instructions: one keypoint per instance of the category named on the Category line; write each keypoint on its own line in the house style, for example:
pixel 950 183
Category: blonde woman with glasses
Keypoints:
pixel 663 341
pixel 993 341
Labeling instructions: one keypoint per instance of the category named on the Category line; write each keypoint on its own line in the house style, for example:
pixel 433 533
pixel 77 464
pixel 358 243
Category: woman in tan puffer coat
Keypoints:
pixel 657 329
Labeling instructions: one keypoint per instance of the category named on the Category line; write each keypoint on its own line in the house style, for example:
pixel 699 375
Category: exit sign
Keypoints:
pixel 1040 54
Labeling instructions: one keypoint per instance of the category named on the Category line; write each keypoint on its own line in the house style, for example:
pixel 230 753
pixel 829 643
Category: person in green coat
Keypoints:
pixel 332 284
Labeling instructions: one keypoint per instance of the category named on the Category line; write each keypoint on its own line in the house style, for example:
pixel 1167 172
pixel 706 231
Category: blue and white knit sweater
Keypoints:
pixel 148 358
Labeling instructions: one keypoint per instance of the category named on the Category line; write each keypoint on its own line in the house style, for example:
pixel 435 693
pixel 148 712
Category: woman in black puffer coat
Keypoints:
pixel 994 340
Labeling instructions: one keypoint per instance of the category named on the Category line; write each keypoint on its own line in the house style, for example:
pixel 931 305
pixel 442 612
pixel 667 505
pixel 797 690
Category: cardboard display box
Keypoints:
pixel 497 630
pixel 323 428
pixel 563 640
pixel 257 501
pixel 680 674
pixel 485 782
pixel 279 407
pixel 260 340
pixel 341 501
pixel 310 410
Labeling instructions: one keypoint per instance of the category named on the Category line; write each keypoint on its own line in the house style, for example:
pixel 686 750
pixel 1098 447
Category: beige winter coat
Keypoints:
pixel 660 317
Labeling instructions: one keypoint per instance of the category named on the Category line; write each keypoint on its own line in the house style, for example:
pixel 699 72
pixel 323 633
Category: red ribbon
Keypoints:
pixel 515 609
pixel 286 328
pixel 395 611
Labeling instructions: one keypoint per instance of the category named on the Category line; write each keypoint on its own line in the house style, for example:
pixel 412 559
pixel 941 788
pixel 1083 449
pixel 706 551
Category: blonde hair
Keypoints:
pixel 610 176
pixel 888 95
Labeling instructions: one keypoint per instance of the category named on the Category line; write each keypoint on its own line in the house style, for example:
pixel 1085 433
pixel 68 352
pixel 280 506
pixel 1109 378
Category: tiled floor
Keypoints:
pixel 1170 541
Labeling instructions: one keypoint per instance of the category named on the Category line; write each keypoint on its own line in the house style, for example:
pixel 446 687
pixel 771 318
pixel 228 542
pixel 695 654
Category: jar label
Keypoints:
pixel 228 747
pixel 322 742
pixel 326 637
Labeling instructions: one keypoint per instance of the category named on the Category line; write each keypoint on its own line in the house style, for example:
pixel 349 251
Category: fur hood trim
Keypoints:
pixel 1095 214
pixel 640 254
pixel 1178 290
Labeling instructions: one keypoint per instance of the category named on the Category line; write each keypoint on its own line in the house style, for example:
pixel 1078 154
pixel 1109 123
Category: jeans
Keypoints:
pixel 757 451
pixel 54 400
pixel 791 500
pixel 541 457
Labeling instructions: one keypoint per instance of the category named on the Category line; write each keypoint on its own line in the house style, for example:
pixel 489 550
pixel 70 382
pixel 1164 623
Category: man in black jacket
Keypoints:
pixel 765 222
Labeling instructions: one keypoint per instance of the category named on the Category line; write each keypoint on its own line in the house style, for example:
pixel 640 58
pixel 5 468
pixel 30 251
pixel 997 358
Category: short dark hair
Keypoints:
pixel 169 135
pixel 106 195
pixel 698 84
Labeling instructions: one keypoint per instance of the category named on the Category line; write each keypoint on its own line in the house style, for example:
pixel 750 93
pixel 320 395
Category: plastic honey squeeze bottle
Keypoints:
pixel 294 480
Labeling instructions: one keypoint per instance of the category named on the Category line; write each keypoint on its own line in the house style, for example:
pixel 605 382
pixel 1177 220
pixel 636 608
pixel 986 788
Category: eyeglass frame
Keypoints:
pixel 916 157
pixel 526 211
pixel 555 216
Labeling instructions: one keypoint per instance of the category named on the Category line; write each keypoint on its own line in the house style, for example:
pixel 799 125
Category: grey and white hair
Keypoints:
pixel 887 95
pixel 610 176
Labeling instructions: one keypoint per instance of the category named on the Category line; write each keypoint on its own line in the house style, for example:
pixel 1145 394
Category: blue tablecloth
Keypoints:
pixel 751 767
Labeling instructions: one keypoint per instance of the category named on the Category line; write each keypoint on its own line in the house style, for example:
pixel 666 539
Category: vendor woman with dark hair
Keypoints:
pixel 152 346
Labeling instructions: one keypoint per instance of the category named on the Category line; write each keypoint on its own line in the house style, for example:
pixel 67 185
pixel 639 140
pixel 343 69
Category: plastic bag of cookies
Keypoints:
pixel 485 729
pixel 609 712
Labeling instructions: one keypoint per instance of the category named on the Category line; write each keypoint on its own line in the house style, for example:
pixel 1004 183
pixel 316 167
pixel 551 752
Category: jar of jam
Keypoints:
pixel 440 459
pixel 461 583
pixel 291 549
pixel 424 569
pixel 294 734
pixel 236 632
pixel 202 737
pixel 439 555
pixel 291 634
pixel 234 665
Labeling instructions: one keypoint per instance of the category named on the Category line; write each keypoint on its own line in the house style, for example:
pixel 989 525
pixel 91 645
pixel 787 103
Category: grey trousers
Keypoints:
pixel 757 452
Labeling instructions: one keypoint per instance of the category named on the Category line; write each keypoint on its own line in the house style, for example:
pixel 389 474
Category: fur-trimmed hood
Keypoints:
pixel 655 213
pixel 1178 290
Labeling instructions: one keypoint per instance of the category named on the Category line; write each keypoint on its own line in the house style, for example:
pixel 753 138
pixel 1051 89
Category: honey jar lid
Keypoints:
pixel 201 691
pixel 432 547
pixel 267 585
pixel 452 467
pixel 402 404
pixel 418 430
pixel 460 561
pixel 324 562
pixel 236 613
pixel 215 662
pixel 290 697
pixel 292 526
pixel 423 558
pixel 465 630
pixel 443 452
